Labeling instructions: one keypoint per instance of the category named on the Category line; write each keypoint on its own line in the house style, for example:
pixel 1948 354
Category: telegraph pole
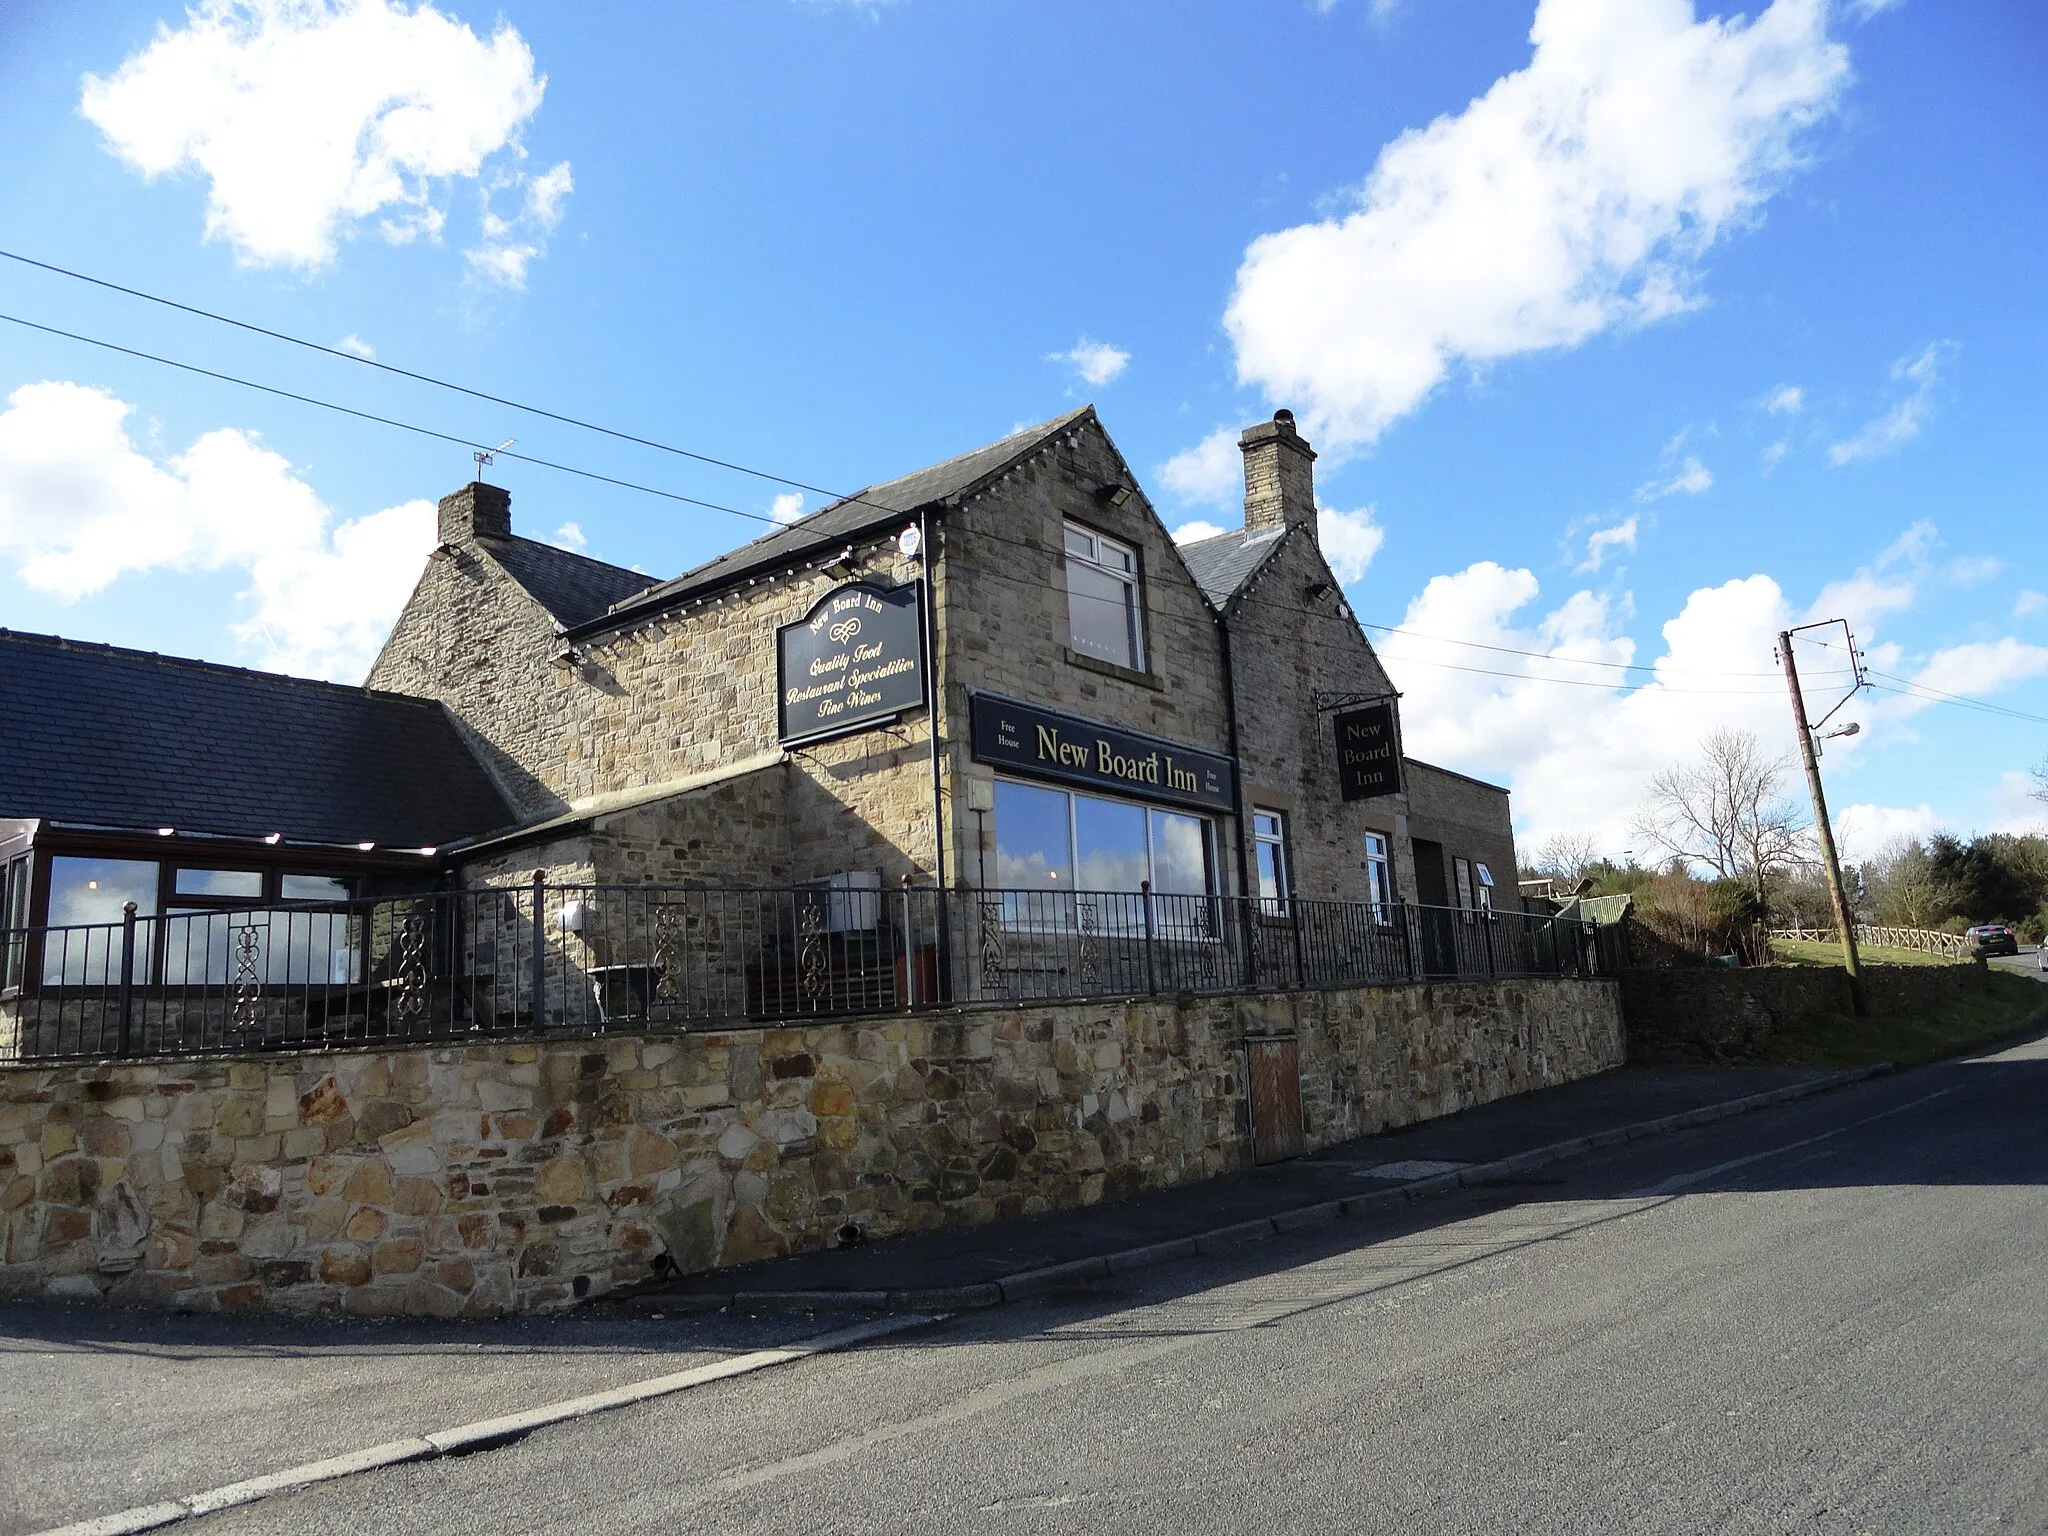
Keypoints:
pixel 1844 924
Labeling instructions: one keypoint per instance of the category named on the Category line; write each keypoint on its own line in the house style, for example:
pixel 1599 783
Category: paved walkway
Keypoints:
pixel 969 1266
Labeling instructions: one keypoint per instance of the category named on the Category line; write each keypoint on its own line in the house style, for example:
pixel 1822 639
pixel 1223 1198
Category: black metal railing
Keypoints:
pixel 539 957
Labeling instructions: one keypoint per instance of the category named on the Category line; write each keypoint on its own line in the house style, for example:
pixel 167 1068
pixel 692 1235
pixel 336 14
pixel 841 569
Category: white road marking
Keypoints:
pixel 1674 1184
pixel 471 1437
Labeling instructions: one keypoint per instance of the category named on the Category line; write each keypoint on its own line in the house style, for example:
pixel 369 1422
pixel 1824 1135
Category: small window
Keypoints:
pixel 13 916
pixel 1269 842
pixel 1485 889
pixel 1103 613
pixel 1379 876
pixel 316 888
pixel 1461 870
pixel 227 884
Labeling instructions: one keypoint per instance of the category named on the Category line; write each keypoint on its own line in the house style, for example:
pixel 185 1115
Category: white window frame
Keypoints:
pixel 1379 874
pixel 1126 576
pixel 1283 869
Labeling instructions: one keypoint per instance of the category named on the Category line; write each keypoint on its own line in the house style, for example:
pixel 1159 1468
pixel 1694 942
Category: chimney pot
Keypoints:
pixel 475 510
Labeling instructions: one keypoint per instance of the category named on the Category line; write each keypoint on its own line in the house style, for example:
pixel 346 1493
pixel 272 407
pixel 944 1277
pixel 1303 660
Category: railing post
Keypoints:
pixel 539 982
pixel 1409 958
pixel 1151 961
pixel 1294 924
pixel 1486 933
pixel 123 1045
pixel 909 950
pixel 1248 915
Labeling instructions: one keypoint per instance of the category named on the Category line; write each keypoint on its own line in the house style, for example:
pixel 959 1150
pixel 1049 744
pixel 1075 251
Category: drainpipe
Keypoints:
pixel 1244 891
pixel 934 701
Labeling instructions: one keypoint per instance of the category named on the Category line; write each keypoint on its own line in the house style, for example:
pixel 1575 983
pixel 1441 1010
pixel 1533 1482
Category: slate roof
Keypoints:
pixel 879 506
pixel 107 737
pixel 1222 565
pixel 572 587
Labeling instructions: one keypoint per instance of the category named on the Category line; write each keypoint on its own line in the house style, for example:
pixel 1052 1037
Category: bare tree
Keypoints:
pixel 1727 811
pixel 1567 856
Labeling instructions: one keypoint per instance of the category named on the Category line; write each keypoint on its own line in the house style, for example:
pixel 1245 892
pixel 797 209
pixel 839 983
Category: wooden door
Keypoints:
pixel 1276 1098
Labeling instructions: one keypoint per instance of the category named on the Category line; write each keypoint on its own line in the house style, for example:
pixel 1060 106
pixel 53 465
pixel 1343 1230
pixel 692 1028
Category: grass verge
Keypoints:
pixel 2004 1007
pixel 1811 952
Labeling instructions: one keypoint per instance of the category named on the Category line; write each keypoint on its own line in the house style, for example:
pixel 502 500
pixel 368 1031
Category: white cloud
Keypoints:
pixel 1864 831
pixel 1785 400
pixel 355 346
pixel 787 507
pixel 80 507
pixel 2028 603
pixel 1349 540
pixel 1209 474
pixel 1972 569
pixel 309 118
pixel 1773 454
pixel 1095 363
pixel 1603 542
pixel 1982 666
pixel 509 246
pixel 1194 532
pixel 2015 804
pixel 1902 423
pixel 570 536
pixel 1691 478
pixel 1576 194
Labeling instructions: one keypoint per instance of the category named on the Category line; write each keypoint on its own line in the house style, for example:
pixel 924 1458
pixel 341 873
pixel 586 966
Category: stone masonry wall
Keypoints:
pixel 1470 820
pixel 1004 628
pixel 521 1176
pixel 1724 1012
pixel 1286 647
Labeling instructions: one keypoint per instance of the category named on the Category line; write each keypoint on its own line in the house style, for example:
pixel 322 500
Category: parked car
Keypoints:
pixel 1993 939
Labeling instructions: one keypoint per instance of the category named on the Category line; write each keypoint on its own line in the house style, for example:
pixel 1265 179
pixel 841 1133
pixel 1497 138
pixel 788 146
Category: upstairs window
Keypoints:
pixel 1103 613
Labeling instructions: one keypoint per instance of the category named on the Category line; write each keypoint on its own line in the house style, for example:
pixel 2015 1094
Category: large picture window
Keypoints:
pixel 1056 840
pixel 1103 613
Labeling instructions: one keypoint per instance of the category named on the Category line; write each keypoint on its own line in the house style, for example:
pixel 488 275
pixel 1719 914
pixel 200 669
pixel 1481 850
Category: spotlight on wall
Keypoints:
pixel 1113 495
pixel 567 659
pixel 841 568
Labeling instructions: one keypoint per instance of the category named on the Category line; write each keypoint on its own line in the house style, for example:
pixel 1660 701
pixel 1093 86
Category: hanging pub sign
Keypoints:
pixel 1049 745
pixel 855 660
pixel 1368 751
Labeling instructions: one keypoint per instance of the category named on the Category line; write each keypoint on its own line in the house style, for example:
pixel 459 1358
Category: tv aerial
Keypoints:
pixel 486 456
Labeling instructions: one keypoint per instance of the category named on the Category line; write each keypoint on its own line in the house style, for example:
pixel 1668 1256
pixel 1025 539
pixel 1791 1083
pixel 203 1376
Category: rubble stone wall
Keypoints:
pixel 521 1176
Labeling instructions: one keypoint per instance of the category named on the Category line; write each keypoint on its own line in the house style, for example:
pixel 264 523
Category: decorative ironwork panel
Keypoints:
pixel 409 989
pixel 1091 953
pixel 992 957
pixel 814 972
pixel 668 983
pixel 248 1007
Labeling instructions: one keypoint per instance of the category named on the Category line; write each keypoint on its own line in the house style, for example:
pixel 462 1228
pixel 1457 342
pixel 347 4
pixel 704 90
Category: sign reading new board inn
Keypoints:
pixel 1048 745
pixel 1368 752
pixel 854 661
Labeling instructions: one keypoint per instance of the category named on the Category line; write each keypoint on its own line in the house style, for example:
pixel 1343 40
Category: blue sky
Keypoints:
pixel 1662 326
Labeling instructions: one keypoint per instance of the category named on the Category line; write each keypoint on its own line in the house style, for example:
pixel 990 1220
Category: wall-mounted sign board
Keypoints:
pixel 1368 751
pixel 855 661
pixel 1046 744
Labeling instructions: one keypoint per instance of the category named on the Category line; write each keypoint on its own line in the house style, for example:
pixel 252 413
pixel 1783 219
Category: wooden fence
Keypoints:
pixel 1953 945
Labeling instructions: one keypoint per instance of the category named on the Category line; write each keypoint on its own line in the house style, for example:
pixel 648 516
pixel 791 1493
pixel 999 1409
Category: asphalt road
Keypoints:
pixel 1830 1316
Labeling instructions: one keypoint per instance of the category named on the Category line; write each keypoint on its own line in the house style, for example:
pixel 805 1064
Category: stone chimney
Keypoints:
pixel 477 509
pixel 1279 475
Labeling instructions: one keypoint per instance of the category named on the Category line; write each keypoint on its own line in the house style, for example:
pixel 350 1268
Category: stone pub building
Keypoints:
pixel 998 678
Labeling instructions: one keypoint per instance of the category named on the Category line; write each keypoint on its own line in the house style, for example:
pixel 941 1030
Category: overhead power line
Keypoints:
pixel 1906 689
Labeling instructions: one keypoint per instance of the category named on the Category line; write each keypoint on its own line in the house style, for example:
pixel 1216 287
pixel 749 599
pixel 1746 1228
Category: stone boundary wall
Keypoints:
pixel 1724 1012
pixel 517 1176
